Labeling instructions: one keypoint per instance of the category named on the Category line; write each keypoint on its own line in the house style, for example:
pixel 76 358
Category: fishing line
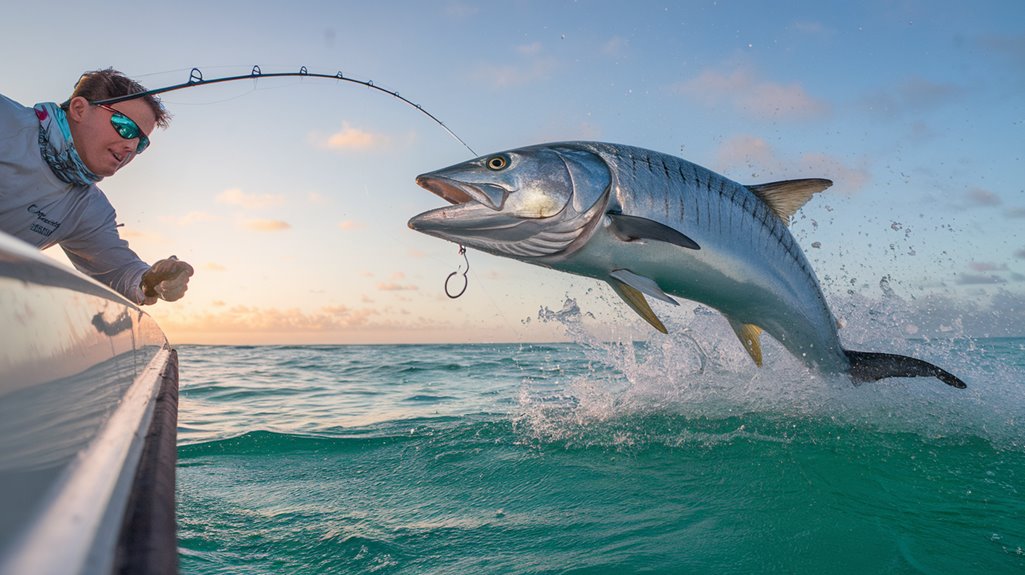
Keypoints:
pixel 196 79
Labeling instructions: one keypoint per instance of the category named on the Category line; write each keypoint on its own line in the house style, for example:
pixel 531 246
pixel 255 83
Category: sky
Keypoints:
pixel 290 197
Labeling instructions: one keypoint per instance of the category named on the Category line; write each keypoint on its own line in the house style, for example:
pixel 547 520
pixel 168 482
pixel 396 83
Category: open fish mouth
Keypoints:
pixel 472 211
pixel 444 188
pixel 475 211
pixel 456 192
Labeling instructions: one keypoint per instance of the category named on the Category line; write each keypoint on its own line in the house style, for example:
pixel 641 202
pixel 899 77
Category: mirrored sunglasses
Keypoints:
pixel 127 128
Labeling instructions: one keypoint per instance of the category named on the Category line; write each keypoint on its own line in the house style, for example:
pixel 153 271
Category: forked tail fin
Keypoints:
pixel 872 366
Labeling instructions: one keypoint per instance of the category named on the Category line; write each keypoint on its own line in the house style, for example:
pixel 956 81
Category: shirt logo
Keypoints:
pixel 42 225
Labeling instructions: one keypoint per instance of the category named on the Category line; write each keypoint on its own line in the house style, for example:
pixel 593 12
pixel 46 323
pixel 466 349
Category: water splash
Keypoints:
pixel 698 384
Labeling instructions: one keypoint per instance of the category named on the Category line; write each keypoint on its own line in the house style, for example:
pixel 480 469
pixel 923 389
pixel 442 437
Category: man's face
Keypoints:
pixel 102 149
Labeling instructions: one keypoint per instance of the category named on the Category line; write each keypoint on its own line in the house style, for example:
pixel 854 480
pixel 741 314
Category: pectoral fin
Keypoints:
pixel 631 228
pixel 749 335
pixel 636 301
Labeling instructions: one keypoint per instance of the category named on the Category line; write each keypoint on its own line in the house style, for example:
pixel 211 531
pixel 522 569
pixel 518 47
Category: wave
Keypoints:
pixel 262 442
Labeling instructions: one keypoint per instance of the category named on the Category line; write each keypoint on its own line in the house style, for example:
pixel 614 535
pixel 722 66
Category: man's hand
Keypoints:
pixel 167 280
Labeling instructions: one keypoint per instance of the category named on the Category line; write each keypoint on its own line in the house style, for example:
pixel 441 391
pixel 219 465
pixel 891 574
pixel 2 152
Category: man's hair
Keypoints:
pixel 109 83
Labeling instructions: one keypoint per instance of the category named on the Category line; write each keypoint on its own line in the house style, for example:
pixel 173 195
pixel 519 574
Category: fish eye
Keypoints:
pixel 497 163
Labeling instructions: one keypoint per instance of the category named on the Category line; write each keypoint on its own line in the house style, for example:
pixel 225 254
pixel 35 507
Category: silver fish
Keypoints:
pixel 655 225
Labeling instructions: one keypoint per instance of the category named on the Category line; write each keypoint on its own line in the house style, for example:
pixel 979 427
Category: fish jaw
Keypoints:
pixel 475 225
pixel 457 192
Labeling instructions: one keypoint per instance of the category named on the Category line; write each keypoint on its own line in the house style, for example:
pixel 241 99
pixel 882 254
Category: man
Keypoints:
pixel 51 158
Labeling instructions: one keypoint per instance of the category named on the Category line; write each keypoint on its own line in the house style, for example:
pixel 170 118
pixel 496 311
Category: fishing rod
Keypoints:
pixel 196 79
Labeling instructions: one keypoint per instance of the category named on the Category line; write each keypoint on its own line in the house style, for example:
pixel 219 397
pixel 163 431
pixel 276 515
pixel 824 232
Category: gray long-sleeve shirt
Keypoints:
pixel 38 208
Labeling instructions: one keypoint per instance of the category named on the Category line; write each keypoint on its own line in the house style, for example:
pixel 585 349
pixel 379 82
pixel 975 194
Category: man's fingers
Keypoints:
pixel 167 279
pixel 174 288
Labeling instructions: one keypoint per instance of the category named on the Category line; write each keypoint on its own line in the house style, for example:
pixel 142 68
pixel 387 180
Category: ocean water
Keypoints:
pixel 672 455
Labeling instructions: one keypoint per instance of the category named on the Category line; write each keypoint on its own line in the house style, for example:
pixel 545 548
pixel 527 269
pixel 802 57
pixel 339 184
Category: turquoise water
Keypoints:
pixel 669 456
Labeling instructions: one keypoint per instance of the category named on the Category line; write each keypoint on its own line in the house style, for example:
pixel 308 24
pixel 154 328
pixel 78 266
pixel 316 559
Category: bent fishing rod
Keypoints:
pixel 196 79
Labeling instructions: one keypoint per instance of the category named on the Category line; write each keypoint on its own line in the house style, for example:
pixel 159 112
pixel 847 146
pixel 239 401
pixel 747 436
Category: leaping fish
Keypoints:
pixel 655 225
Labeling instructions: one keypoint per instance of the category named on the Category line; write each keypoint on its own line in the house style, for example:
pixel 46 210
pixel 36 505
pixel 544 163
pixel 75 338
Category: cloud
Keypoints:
pixel 921 132
pixel 743 91
pixel 1001 314
pixel 461 10
pixel 979 279
pixel 927 93
pixel 616 46
pixel 533 67
pixel 140 236
pixel 1015 213
pixel 236 197
pixel 845 178
pixel 266 225
pixel 392 286
pixel 745 150
pixel 981 197
pixel 779 101
pixel 912 95
pixel 350 138
pixel 532 49
pixel 350 225
pixel 754 160
pixel 1020 254
pixel 1010 48
pixel 191 218
pixel 263 319
pixel 987 267
pixel 214 267
pixel 812 28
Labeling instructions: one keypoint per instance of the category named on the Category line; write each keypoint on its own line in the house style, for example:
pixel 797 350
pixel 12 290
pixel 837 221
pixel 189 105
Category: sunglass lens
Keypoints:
pixel 125 127
pixel 128 129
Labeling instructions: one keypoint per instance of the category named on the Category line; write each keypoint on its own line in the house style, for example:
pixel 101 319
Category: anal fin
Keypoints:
pixel 635 299
pixel 750 337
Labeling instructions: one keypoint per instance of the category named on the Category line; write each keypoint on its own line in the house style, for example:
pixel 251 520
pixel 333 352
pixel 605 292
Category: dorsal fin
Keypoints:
pixel 786 197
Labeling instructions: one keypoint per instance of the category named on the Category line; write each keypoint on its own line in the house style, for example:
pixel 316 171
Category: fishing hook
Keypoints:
pixel 466 280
